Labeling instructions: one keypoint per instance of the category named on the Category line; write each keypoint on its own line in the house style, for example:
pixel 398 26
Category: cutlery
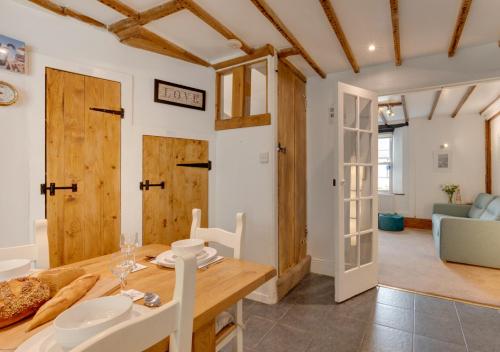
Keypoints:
pixel 212 263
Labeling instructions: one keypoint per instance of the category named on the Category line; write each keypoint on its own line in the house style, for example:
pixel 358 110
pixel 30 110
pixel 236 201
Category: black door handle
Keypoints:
pixel 144 186
pixel 52 188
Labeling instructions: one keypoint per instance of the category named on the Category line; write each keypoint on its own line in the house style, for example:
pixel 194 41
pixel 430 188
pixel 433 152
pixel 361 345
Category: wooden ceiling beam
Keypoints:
pixel 66 11
pixel 214 23
pixel 264 8
pixel 264 51
pixel 395 31
pixel 494 116
pixel 120 7
pixel 284 53
pixel 435 103
pixel 459 26
pixel 390 103
pixel 466 96
pixel 337 28
pixel 405 109
pixel 489 105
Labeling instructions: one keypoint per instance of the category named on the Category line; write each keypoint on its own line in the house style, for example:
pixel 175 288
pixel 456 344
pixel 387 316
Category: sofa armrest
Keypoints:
pixel 459 210
pixel 470 241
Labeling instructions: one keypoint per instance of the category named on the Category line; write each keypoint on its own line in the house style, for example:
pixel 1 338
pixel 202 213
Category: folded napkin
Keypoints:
pixel 133 294
pixel 138 267
pixel 210 262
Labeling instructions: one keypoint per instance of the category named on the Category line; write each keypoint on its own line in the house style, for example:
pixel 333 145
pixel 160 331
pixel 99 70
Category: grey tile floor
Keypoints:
pixel 382 319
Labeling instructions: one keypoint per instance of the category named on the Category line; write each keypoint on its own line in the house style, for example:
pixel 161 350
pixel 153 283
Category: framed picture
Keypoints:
pixel 12 54
pixel 443 160
pixel 176 94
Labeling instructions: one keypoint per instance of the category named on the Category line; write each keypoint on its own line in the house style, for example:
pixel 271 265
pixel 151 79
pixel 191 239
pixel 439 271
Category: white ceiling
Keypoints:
pixel 426 27
pixel 419 103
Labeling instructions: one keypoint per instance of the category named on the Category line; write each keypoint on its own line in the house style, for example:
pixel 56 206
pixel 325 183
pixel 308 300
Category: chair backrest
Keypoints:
pixel 174 319
pixel 38 252
pixel 229 239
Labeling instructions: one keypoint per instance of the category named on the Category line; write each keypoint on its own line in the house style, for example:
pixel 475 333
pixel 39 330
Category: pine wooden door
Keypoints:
pixel 292 212
pixel 82 148
pixel 167 211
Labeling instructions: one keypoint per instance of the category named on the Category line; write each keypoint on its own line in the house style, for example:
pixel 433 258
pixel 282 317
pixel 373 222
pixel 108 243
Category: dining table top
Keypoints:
pixel 218 287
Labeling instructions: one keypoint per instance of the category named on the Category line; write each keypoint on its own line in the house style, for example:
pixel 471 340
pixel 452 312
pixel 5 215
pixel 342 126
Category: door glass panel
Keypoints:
pixel 350 182
pixel 351 244
pixel 365 150
pixel 365 181
pixel 349 111
pixel 350 146
pixel 366 248
pixel 350 223
pixel 365 106
pixel 365 214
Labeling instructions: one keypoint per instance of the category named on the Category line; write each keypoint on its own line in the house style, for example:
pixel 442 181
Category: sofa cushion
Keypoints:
pixel 492 211
pixel 480 205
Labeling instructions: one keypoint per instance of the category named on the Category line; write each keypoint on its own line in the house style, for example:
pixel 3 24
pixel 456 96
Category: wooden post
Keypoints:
pixel 487 130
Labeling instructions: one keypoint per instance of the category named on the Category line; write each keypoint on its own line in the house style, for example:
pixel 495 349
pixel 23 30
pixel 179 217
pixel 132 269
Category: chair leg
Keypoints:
pixel 239 326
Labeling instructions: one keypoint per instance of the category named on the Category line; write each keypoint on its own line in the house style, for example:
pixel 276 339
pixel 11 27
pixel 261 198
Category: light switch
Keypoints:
pixel 264 158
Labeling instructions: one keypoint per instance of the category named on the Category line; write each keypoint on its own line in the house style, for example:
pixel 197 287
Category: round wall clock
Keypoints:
pixel 8 94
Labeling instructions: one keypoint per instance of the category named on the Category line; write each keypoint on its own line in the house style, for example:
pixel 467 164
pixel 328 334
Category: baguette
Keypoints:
pixel 58 278
pixel 63 299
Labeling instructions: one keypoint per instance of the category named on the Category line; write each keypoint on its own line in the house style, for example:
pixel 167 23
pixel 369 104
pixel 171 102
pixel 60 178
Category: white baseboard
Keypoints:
pixel 322 266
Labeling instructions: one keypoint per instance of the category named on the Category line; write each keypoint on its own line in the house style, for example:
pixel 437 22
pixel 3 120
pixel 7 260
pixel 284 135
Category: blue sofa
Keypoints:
pixel 468 234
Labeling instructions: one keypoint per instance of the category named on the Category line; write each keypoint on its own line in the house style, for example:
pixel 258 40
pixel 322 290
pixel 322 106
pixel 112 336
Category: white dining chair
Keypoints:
pixel 174 319
pixel 231 240
pixel 38 251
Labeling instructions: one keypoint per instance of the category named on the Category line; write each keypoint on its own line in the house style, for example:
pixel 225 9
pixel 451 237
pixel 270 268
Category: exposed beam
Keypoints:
pixel 395 31
pixel 257 53
pixel 284 53
pixel 494 116
pixel 264 8
pixel 466 96
pixel 405 109
pixel 459 26
pixel 337 28
pixel 66 11
pixel 389 103
pixel 120 7
pixel 489 105
pixel 214 23
pixel 144 39
pixel 294 70
pixel 435 103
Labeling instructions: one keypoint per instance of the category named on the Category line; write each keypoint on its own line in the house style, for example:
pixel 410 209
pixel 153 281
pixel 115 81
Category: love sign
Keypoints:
pixel 176 94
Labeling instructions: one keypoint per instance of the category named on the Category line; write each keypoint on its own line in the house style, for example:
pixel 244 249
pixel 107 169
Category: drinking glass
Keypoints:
pixel 121 265
pixel 128 244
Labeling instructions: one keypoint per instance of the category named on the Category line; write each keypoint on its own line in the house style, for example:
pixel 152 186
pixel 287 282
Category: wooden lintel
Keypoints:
pixel 214 23
pixel 466 96
pixel 295 70
pixel 66 11
pixel 120 7
pixel 266 10
pixel 459 26
pixel 489 105
pixel 337 28
pixel 266 50
pixel 284 53
pixel 390 103
pixel 435 103
pixel 405 109
pixel 395 31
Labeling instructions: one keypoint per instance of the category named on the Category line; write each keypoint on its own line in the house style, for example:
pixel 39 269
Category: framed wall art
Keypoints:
pixel 179 95
pixel 12 54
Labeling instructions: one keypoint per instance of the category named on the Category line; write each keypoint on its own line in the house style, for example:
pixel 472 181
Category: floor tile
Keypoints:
pixel 394 317
pixel 380 338
pixel 268 311
pixel 439 328
pixel 481 337
pixel 435 306
pixel 425 344
pixel 304 317
pixel 476 314
pixel 255 329
pixel 343 331
pixel 284 339
pixel 360 307
pixel 395 298
pixel 333 344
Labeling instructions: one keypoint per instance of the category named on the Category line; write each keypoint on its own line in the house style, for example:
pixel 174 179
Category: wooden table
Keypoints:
pixel 217 288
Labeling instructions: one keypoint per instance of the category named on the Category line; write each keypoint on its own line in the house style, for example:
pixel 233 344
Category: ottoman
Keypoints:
pixel 391 222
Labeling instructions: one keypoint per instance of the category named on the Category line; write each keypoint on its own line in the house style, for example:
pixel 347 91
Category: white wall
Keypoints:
pixel 495 156
pixel 470 64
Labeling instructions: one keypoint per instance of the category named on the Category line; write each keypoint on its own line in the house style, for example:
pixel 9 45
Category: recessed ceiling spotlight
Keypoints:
pixel 234 43
pixel 371 47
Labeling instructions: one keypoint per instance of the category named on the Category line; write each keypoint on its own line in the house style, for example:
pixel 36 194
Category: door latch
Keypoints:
pixel 52 188
pixel 144 186
pixel 281 149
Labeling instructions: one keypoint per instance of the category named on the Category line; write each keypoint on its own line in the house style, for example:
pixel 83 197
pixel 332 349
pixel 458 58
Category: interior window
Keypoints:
pixel 385 160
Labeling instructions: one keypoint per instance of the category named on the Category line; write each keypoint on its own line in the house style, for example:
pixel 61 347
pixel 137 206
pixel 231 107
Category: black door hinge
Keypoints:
pixel 198 165
pixel 120 112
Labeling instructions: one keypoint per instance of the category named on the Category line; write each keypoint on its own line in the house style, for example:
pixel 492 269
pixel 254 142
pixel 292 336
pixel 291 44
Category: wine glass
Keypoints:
pixel 121 266
pixel 128 244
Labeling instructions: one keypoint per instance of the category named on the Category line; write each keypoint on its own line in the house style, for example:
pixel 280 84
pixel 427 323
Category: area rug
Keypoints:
pixel 408 261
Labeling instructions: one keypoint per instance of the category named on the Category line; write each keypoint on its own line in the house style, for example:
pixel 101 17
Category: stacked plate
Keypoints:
pixel 167 259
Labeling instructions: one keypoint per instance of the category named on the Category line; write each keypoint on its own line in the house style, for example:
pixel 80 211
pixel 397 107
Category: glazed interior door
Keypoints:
pixel 356 257
pixel 82 149
pixel 180 165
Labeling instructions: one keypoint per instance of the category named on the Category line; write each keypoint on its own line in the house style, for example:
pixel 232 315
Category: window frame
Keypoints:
pixel 390 163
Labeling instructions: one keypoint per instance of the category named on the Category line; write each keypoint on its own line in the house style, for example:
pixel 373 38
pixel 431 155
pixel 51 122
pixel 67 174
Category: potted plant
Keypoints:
pixel 450 191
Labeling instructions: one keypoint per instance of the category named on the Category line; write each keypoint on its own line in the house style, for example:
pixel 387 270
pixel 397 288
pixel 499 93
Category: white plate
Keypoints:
pixel 45 341
pixel 167 259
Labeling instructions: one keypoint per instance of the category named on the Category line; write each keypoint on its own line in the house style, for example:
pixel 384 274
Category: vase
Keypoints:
pixel 450 198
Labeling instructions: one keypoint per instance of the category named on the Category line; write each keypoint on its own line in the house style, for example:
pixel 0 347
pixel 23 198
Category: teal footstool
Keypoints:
pixel 391 222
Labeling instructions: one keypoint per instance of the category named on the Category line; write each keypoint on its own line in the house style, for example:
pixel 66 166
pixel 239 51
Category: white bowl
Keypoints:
pixel 191 246
pixel 14 268
pixel 84 320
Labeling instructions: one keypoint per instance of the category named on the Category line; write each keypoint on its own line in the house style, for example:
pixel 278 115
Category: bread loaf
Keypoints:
pixel 58 278
pixel 20 298
pixel 63 299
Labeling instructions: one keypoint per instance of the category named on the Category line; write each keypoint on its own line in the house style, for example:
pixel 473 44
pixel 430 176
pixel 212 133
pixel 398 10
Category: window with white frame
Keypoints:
pixel 385 160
